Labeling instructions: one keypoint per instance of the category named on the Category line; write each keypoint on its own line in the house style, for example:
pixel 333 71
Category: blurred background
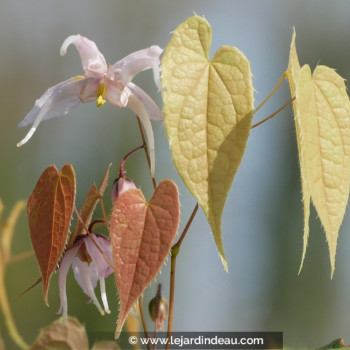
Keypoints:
pixel 262 221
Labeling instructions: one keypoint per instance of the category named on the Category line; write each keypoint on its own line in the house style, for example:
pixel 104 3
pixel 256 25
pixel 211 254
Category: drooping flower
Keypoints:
pixel 101 83
pixel 89 267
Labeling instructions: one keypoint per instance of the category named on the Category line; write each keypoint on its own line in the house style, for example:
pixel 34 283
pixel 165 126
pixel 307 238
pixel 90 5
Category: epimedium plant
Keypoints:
pixel 208 106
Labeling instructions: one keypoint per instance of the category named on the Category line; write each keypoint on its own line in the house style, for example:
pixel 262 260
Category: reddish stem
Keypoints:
pixel 122 163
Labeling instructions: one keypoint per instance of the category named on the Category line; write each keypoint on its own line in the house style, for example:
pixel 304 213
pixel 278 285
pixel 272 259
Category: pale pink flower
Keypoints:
pixel 89 267
pixel 101 83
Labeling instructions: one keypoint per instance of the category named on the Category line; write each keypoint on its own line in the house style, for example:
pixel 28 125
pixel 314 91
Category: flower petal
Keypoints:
pixel 150 106
pixel 62 276
pixel 93 61
pixel 78 269
pixel 57 101
pixel 104 295
pixel 104 269
pixel 136 106
pixel 138 61
pixel 88 274
pixel 118 95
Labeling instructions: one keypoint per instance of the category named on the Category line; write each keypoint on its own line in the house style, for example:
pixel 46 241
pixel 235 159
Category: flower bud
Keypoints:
pixel 158 316
pixel 121 185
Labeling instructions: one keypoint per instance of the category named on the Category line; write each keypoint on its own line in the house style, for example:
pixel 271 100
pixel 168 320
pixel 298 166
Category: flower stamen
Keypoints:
pixel 101 94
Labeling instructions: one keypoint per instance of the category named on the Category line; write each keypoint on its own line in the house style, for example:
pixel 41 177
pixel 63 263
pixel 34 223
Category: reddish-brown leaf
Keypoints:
pixel 141 234
pixel 88 207
pixel 49 211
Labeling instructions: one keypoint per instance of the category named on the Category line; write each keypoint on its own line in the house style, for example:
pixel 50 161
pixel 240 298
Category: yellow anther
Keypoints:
pixel 101 94
pixel 79 77
pixel 100 101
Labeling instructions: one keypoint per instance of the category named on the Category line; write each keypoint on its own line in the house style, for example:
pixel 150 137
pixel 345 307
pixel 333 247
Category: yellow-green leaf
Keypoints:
pixel 322 113
pixel 292 75
pixel 208 107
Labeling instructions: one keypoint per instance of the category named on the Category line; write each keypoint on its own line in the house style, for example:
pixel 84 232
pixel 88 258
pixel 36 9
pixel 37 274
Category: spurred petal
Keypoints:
pixel 87 272
pixel 92 59
pixel 78 269
pixel 104 295
pixel 57 101
pixel 63 271
pixel 136 106
pixel 150 106
pixel 126 69
pixel 104 269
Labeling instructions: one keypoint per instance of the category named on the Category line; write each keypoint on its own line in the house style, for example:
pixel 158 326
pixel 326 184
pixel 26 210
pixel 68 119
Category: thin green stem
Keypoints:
pixel 122 163
pixel 171 298
pixel 143 320
pixel 174 252
pixel 273 114
pixel 189 222
pixel 284 75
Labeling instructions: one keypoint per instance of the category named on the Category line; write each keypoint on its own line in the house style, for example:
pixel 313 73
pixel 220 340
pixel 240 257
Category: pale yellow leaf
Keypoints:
pixel 208 107
pixel 323 111
pixel 322 115
pixel 292 75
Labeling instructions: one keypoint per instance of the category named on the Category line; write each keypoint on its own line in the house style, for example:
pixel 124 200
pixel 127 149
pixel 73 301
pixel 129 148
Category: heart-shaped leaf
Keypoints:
pixel 49 211
pixel 141 235
pixel 208 108
pixel 322 115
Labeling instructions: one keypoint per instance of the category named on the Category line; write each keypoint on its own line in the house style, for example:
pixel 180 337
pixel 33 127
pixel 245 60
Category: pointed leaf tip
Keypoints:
pixel 49 211
pixel 141 234
pixel 208 108
pixel 322 117
pixel 88 207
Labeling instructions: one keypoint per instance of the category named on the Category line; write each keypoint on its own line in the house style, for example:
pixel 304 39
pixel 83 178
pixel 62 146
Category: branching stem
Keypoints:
pixel 273 114
pixel 284 75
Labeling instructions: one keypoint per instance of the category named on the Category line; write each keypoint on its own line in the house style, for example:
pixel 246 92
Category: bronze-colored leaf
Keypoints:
pixel 49 211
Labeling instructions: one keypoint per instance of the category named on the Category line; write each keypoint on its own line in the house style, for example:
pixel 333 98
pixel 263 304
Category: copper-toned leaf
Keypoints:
pixel 141 234
pixel 49 211
pixel 88 207
pixel 59 336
